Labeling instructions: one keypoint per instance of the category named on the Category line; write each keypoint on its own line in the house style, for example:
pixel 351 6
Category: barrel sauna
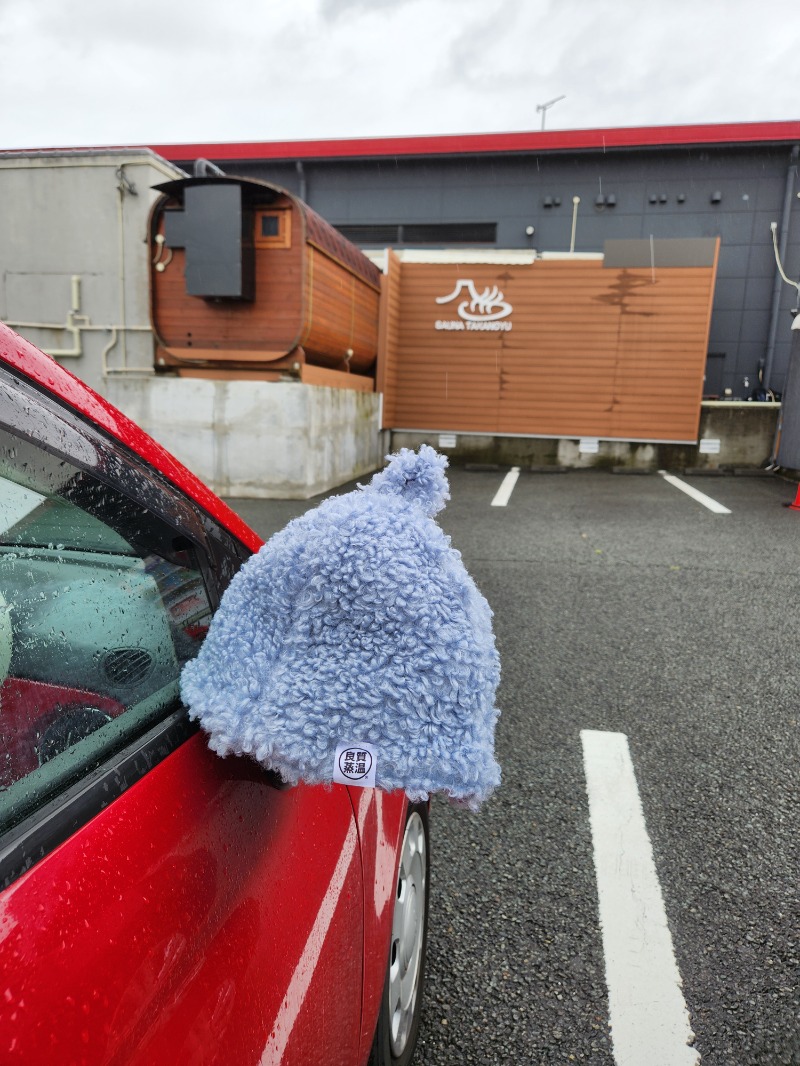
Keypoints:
pixel 247 281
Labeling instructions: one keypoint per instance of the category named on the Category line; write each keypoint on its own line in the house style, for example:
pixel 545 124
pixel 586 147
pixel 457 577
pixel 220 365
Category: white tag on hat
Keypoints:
pixel 355 764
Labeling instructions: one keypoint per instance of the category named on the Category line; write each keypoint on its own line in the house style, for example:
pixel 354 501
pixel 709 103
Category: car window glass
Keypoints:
pixel 30 518
pixel 101 604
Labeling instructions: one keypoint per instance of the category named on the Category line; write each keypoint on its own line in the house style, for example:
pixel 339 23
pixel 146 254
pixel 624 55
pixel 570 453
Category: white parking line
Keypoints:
pixel 503 494
pixel 701 497
pixel 647 1011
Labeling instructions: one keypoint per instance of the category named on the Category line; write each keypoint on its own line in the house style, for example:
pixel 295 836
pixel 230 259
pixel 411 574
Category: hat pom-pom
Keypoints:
pixel 418 476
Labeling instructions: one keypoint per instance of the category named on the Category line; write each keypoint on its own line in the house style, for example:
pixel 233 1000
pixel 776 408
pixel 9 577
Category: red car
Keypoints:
pixel 158 904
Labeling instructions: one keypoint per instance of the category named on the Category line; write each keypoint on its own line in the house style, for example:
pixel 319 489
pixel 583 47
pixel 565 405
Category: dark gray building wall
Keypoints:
pixel 666 193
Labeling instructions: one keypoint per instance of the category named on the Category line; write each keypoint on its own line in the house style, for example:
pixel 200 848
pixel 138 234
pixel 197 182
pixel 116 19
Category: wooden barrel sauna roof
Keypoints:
pixel 318 232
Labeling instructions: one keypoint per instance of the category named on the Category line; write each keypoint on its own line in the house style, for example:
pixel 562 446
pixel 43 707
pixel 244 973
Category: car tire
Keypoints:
pixel 401 1004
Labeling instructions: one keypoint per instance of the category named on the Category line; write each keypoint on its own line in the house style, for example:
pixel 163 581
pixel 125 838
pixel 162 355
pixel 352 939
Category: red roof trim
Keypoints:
pixel 473 143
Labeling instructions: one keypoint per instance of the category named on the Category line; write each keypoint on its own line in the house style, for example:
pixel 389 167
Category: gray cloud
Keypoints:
pixel 94 72
pixel 476 56
pixel 331 10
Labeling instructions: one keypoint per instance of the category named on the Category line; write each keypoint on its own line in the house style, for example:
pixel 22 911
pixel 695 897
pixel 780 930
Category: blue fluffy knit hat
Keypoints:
pixel 358 624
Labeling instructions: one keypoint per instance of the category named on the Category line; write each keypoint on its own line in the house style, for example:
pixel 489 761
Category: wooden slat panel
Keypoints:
pixel 335 379
pixel 239 355
pixel 591 352
pixel 341 314
pixel 387 379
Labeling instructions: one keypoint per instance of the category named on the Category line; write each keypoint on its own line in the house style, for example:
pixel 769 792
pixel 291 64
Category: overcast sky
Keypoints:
pixel 93 72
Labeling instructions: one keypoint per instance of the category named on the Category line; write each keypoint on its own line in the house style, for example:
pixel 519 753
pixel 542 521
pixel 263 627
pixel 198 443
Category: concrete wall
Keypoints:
pixel 733 435
pixel 84 215
pixel 258 440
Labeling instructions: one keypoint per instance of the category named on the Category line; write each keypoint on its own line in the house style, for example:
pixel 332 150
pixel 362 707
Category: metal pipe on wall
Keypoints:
pixel 204 168
pixel 74 324
pixel 301 174
pixel 575 201
pixel 78 324
pixel 123 311
pixel 775 309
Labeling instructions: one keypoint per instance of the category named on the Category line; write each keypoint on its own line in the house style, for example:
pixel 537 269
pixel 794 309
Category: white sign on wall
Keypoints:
pixel 709 446
pixel 478 311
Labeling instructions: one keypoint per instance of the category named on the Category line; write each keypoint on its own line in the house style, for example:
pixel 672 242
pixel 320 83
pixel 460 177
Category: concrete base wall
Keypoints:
pixel 286 440
pixel 258 440
pixel 744 431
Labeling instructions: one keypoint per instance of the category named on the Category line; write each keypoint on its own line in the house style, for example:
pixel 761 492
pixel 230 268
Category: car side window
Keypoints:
pixel 101 603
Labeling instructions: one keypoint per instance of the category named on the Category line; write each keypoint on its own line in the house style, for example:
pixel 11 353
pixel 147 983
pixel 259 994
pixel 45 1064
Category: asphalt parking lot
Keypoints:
pixel 624 606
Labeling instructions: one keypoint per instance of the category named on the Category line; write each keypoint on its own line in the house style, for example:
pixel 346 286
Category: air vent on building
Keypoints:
pixel 421 233
pixel 127 666
pixel 369 234
pixel 451 233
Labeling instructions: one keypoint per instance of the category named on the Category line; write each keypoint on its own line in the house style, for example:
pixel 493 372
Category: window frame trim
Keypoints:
pixel 42 831
pixel 281 239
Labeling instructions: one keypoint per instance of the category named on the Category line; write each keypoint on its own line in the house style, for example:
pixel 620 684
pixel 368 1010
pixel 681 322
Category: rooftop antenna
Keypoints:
pixel 543 108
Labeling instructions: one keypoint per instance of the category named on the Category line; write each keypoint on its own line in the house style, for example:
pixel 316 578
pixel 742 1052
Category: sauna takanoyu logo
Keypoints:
pixel 479 311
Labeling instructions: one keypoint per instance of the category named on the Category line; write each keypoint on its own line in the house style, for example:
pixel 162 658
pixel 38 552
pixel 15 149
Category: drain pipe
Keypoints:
pixel 123 311
pixel 786 217
pixel 204 168
pixel 78 324
pixel 575 201
pixel 74 324
pixel 301 174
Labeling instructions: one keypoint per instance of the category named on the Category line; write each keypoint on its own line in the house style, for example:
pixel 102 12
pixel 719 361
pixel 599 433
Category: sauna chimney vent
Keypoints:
pixel 215 228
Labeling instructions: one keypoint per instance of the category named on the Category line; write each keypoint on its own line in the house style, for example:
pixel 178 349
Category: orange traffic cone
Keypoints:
pixel 795 505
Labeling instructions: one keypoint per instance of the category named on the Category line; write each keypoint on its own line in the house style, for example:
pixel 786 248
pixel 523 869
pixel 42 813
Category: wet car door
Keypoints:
pixel 159 904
